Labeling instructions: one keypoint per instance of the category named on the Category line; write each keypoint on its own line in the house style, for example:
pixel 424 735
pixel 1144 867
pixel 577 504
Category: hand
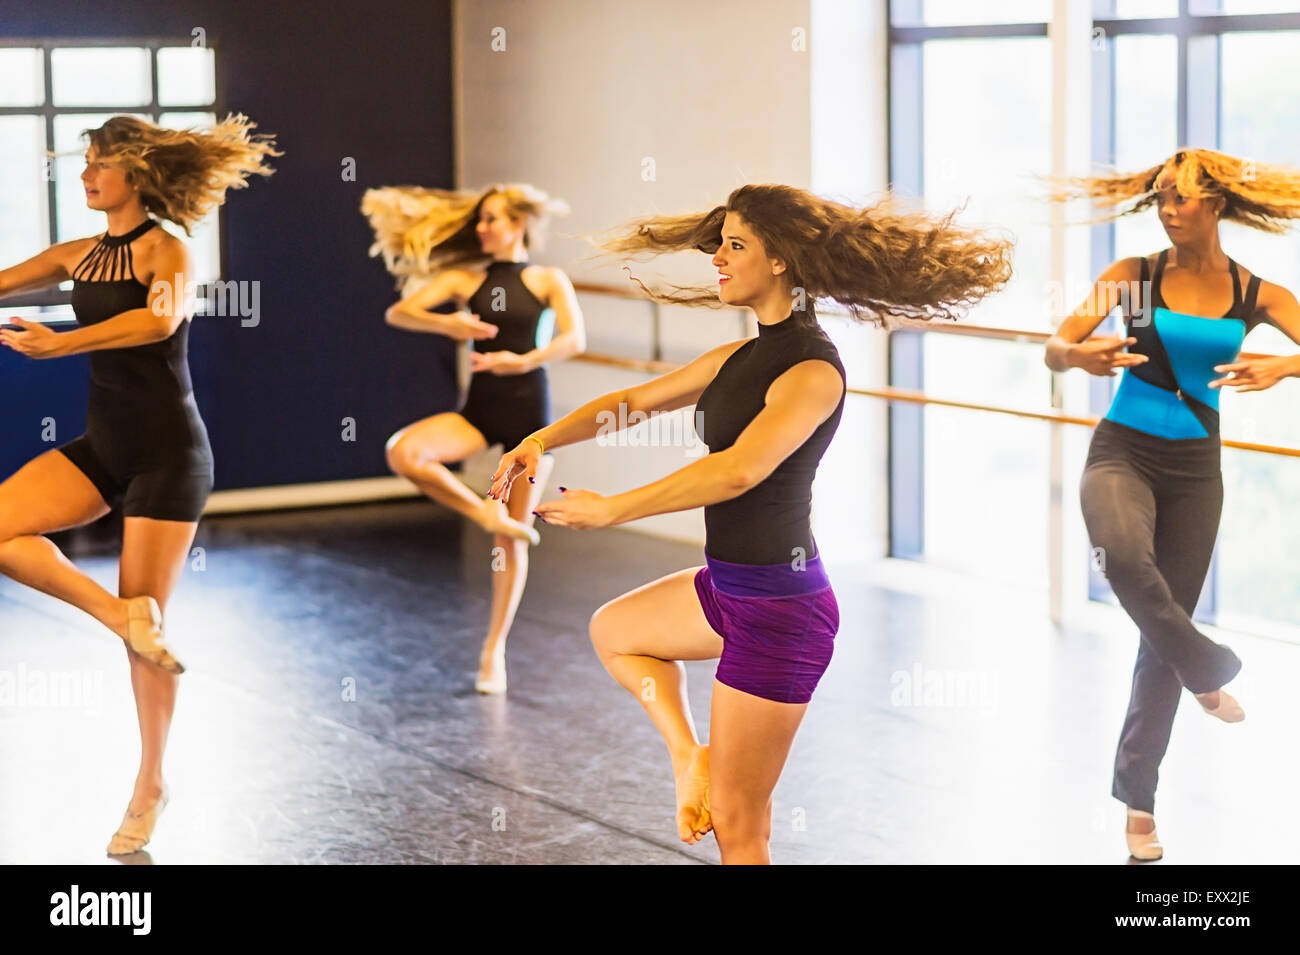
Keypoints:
pixel 32 339
pixel 520 462
pixel 580 509
pixel 1256 374
pixel 466 326
pixel 499 362
pixel 1101 356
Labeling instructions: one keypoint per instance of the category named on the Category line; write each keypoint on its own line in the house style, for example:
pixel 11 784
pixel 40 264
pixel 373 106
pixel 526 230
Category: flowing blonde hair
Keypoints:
pixel 880 262
pixel 1261 196
pixel 421 231
pixel 184 173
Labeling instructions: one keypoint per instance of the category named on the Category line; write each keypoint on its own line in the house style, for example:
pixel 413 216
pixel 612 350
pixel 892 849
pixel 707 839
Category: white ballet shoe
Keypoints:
pixel 1144 846
pixel 145 633
pixel 136 829
pixel 1228 710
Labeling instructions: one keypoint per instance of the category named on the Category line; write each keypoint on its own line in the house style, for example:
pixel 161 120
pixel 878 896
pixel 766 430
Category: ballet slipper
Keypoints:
pixel 496 684
pixel 491 687
pixel 145 634
pixel 1143 846
pixel 1228 710
pixel 137 828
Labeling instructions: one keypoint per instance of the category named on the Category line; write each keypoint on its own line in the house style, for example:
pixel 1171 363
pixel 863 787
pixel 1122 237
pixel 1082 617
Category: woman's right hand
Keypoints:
pixel 464 326
pixel 1101 356
pixel 520 462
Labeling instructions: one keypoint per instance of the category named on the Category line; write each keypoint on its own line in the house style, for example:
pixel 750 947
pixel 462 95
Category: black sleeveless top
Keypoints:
pixel 766 523
pixel 505 301
pixel 138 378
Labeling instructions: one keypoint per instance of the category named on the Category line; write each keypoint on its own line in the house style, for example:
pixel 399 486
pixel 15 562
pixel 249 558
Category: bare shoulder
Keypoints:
pixel 69 254
pixel 550 282
pixel 158 251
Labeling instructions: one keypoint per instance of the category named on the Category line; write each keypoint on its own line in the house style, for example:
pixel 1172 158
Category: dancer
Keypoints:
pixel 767 408
pixel 1152 489
pixel 145 448
pixel 472 248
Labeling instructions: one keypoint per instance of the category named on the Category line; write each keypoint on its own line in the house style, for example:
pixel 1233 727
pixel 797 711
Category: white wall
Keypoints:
pixel 586 95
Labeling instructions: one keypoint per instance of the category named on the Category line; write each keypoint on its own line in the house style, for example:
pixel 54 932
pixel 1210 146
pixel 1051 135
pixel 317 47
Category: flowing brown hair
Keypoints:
pixel 1261 196
pixel 881 262
pixel 184 173
pixel 421 231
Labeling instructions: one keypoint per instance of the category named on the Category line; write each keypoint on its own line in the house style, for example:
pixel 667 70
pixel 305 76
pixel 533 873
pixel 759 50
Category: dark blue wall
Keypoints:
pixel 368 80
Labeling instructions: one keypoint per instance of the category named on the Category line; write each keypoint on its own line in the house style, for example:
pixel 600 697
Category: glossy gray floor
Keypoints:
pixel 329 716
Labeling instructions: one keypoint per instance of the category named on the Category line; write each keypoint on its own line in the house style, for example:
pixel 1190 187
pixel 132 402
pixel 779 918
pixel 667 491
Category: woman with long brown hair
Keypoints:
pixel 145 448
pixel 472 248
pixel 767 408
pixel 1152 488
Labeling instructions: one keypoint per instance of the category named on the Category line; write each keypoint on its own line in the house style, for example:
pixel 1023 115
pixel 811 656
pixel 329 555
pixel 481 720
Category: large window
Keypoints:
pixel 53 90
pixel 970 123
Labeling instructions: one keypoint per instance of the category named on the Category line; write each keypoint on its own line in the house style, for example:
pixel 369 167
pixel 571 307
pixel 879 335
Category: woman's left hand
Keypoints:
pixel 498 362
pixel 33 339
pixel 580 509
pixel 1254 374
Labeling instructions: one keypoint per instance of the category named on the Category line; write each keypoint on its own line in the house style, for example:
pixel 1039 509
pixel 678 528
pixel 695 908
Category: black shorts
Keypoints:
pixel 508 408
pixel 165 474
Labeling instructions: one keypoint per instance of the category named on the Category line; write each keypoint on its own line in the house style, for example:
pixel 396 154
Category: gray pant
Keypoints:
pixel 1152 508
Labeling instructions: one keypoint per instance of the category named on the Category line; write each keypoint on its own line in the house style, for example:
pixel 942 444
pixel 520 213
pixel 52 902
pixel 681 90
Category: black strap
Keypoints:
pixel 1157 300
pixel 1236 289
pixel 1252 295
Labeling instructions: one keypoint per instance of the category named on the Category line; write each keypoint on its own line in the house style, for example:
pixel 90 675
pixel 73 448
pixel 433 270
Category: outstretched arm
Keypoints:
pixel 167 307
pixel 1279 307
pixel 1070 347
pixel 40 271
pixel 798 402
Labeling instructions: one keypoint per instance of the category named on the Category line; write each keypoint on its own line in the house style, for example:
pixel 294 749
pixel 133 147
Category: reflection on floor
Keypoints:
pixel 329 716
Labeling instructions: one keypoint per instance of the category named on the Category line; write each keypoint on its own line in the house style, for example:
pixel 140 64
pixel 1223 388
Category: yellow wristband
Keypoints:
pixel 539 442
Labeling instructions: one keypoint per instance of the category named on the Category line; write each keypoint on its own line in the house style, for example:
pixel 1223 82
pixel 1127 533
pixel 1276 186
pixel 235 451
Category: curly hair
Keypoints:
pixel 184 173
pixel 1261 196
pixel 881 262
pixel 421 231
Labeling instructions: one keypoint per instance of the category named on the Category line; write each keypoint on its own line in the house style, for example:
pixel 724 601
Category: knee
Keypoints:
pixel 736 824
pixel 600 631
pixel 1120 560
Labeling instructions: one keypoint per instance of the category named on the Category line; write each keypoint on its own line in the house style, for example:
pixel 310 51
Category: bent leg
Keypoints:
pixel 49 494
pixel 1119 509
pixel 641 638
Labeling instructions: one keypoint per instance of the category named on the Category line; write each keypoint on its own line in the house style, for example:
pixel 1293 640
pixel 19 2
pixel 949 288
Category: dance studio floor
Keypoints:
pixel 329 716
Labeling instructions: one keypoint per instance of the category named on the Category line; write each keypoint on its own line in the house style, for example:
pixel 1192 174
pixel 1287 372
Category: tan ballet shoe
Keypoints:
pixel 145 636
pixel 1228 710
pixel 1144 846
pixel 493 686
pixel 136 829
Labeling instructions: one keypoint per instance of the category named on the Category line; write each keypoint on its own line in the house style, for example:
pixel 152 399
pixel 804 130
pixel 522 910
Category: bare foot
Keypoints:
pixel 495 519
pixel 491 674
pixel 138 824
pixel 693 816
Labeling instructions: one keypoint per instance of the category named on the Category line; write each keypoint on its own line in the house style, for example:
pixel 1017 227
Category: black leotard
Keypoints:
pixel 508 408
pixel 145 444
pixel 768 522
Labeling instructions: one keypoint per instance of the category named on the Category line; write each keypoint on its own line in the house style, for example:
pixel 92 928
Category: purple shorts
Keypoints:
pixel 777 624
